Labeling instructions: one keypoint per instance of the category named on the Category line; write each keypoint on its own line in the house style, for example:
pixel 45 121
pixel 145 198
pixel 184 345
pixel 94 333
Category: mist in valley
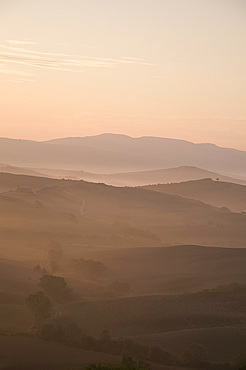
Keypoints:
pixel 122 185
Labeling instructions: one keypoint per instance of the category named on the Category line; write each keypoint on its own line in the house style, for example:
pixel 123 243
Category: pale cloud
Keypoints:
pixel 20 42
pixel 208 118
pixel 21 80
pixel 12 52
pixel 4 69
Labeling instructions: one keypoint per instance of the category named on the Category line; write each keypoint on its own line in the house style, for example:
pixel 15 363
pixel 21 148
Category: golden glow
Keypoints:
pixel 169 68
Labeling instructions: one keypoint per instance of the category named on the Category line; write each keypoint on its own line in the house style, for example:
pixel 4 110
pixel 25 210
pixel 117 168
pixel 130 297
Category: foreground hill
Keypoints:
pixel 36 211
pixel 153 270
pixel 33 354
pixel 223 344
pixel 156 314
pixel 109 153
pixel 217 193
pixel 169 175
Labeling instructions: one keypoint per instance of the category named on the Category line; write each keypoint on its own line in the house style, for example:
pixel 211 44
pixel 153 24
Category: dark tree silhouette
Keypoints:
pixel 55 287
pixel 41 306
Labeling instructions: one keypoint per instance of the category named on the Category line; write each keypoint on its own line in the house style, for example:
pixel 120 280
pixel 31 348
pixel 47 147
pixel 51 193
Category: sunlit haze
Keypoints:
pixel 122 184
pixel 169 68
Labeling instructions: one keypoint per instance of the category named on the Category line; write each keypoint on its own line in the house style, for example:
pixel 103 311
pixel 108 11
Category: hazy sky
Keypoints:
pixel 171 68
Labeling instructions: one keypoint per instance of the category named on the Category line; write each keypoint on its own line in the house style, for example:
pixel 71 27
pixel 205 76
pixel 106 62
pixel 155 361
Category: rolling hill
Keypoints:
pixel 223 344
pixel 19 170
pixel 217 193
pixel 32 353
pixel 163 176
pixel 110 153
pixel 176 269
pixel 35 354
pixel 146 315
pixel 126 229
pixel 35 211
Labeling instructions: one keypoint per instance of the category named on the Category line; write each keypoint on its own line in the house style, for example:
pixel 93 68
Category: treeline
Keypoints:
pixel 54 290
pixel 127 363
pixel 71 335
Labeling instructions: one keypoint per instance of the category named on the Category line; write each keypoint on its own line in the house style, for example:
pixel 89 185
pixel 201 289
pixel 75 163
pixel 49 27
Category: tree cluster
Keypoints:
pixel 72 335
pixel 194 357
pixel 89 269
pixel 55 287
pixel 128 363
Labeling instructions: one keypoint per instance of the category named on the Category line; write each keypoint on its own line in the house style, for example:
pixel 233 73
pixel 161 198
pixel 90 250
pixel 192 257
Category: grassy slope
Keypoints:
pixel 33 354
pixel 78 213
pixel 217 193
pixel 222 344
pixel 163 176
pixel 156 314
pixel 175 270
pixel 16 282
pixel 149 271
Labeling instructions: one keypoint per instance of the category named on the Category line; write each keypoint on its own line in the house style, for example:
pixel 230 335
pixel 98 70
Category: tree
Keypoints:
pixel 41 307
pixel 40 270
pixel 55 287
pixel 127 364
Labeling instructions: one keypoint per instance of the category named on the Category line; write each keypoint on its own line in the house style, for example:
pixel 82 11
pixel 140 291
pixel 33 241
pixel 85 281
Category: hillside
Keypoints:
pixel 169 175
pixel 31 353
pixel 53 356
pixel 36 211
pixel 19 170
pixel 213 318
pixel 222 343
pixel 217 193
pixel 165 152
pixel 146 315
pixel 175 270
pixel 110 153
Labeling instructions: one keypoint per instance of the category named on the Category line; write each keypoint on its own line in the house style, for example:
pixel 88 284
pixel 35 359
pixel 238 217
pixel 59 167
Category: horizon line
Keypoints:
pixel 122 135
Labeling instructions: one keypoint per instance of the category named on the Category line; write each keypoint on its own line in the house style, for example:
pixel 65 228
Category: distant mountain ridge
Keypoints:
pixel 109 153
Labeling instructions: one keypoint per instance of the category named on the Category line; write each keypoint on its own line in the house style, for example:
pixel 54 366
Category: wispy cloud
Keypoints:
pixel 13 52
pixel 20 42
pixel 5 69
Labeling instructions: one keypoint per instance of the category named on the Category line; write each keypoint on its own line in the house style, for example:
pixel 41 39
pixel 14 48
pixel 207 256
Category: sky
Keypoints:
pixel 169 68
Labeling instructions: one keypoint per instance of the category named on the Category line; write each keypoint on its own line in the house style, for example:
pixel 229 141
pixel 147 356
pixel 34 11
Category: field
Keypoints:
pixel 156 314
pixel 216 192
pixel 222 343
pixel 34 354
pixel 173 297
